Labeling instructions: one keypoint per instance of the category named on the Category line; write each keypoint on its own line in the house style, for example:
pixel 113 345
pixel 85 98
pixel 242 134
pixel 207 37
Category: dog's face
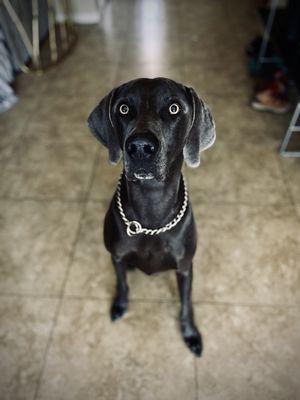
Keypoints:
pixel 154 123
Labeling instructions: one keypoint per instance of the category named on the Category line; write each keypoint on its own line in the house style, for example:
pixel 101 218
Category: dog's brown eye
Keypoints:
pixel 174 108
pixel 124 109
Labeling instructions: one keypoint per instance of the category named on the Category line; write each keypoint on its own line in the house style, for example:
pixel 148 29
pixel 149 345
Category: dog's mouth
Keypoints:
pixel 141 174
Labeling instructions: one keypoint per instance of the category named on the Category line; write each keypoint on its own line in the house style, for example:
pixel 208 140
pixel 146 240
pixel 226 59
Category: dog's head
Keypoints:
pixel 154 124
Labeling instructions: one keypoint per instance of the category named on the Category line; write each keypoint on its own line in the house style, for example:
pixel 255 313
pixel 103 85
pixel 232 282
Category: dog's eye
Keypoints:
pixel 174 108
pixel 124 109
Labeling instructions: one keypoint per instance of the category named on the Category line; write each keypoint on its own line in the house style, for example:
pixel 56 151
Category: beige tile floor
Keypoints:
pixel 56 280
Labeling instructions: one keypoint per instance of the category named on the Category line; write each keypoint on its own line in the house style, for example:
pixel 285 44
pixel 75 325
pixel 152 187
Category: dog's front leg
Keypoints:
pixel 120 303
pixel 189 331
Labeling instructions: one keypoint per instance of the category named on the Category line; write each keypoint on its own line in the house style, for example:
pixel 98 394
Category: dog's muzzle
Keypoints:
pixel 142 148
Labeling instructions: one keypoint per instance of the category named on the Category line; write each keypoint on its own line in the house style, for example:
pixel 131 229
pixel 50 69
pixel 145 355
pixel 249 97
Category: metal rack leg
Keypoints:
pixel 293 128
pixel 36 58
pixel 22 32
pixel 63 26
pixel 266 37
pixel 52 31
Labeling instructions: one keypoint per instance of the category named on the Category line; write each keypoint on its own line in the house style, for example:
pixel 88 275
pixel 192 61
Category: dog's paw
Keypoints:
pixel 194 343
pixel 117 310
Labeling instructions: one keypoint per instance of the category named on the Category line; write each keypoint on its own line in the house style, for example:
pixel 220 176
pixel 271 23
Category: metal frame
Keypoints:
pixel 25 38
pixel 65 30
pixel 267 32
pixel 293 128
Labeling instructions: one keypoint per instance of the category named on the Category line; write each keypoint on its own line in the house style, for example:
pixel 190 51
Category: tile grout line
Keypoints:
pixel 174 300
pixel 95 200
pixel 107 200
pixel 62 290
pixel 151 301
pixel 196 378
pixel 286 183
pixel 44 200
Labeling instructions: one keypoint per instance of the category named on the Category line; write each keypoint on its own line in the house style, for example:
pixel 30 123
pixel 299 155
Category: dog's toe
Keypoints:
pixel 194 343
pixel 117 310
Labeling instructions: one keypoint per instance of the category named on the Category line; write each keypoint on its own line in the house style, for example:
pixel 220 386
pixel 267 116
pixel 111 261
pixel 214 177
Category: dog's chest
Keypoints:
pixel 152 255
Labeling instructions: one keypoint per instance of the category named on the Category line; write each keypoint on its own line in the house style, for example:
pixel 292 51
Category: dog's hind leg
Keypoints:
pixel 120 302
pixel 189 331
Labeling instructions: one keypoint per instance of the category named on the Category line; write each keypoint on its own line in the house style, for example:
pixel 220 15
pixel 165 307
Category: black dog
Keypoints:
pixel 155 124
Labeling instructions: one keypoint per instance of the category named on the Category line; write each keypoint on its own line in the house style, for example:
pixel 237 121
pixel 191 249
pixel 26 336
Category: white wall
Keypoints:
pixel 83 11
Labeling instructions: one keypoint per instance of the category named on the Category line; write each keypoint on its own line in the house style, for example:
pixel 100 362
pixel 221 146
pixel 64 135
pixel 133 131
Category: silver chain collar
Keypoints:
pixel 134 227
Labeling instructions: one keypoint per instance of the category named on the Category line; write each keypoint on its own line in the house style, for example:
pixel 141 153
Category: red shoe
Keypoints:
pixel 268 100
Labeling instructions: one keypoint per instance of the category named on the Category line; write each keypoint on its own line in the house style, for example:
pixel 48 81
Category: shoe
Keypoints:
pixel 267 101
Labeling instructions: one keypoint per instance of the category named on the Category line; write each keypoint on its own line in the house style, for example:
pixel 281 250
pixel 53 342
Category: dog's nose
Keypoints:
pixel 142 146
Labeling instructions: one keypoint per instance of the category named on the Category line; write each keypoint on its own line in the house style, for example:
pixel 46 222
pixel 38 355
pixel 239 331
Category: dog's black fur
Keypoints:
pixel 154 143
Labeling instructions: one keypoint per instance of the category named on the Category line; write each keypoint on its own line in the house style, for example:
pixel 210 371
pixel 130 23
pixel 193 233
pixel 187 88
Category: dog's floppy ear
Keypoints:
pixel 202 133
pixel 101 125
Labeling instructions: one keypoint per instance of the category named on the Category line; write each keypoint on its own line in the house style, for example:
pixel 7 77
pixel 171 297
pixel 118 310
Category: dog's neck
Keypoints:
pixel 153 204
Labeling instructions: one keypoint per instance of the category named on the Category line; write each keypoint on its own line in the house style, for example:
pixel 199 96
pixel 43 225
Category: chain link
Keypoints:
pixel 134 227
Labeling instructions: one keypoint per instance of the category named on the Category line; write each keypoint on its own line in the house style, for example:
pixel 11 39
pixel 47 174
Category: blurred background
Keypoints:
pixel 57 60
